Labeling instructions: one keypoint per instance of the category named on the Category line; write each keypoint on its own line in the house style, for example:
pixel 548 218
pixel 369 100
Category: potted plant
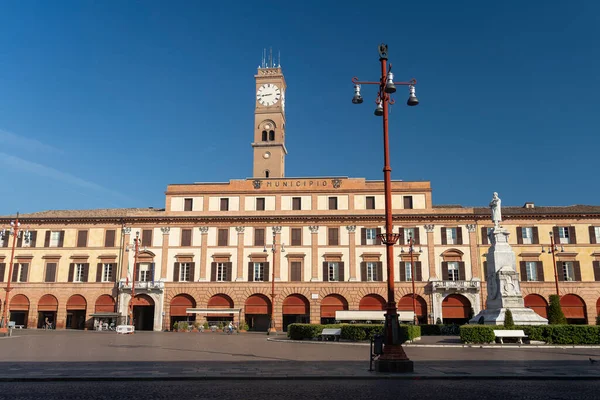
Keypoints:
pixel 243 327
pixel 196 326
pixel 221 325
pixel 175 326
pixel 205 326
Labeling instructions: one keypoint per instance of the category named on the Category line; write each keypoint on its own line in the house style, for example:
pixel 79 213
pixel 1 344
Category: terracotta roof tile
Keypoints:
pixel 97 213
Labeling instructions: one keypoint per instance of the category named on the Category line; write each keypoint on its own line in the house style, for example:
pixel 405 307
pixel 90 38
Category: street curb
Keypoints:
pixel 461 346
pixel 302 378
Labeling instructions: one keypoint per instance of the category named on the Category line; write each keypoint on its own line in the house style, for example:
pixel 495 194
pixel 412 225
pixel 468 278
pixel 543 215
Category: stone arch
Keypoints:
pixel 104 303
pixel 574 308
pixel 77 302
pixel 372 302
pixel 455 308
pixel 211 292
pixel 295 308
pixel 406 304
pixel 381 291
pixel 76 312
pixel 18 306
pixel 332 303
pixel 537 303
pixel 143 300
pixel 452 253
pixel 257 311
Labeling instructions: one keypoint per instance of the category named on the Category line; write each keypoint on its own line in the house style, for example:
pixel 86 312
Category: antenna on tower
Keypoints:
pixel 264 58
pixel 270 57
pixel 278 58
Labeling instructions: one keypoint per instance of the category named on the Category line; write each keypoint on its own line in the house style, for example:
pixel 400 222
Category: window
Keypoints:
pixel 222 237
pixel 184 272
pixel 259 236
pixel 333 234
pixel 408 270
pixel 564 235
pixel 334 271
pixel 370 203
pixel 333 203
pixel 408 202
pixel 296 203
pixel 296 271
pixel 224 205
pixel 20 272
pixel 409 233
pixel 145 275
pixel 259 271
pixel 597 233
pixel 186 237
pixel 55 239
pixel 109 238
pixel 371 235
pixel 527 235
pixel 371 271
pixel 296 236
pixel 78 277
pixel 221 272
pixel 568 270
pixel 266 173
pixel 82 238
pixel 264 136
pixel 271 135
pixel 188 204
pixel 50 272
pixel 147 237
pixel 107 271
pixel 260 204
pixel 531 268
pixel 453 270
pixel 451 236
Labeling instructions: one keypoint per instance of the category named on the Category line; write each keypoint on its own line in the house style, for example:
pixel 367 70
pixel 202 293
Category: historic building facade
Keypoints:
pixel 219 245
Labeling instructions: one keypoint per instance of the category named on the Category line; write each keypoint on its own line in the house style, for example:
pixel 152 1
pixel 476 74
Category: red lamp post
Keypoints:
pixel 394 358
pixel 276 230
pixel 553 249
pixel 15 232
pixel 412 275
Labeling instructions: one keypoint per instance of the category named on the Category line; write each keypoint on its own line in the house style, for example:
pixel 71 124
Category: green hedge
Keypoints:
pixel 551 334
pixel 439 329
pixel 353 332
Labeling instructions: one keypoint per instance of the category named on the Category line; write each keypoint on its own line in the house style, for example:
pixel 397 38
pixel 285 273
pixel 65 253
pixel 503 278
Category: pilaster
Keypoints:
pixel 125 267
pixel 475 269
pixel 277 254
pixel 431 251
pixel 352 248
pixel 240 253
pixel 165 253
pixel 203 253
pixel 314 252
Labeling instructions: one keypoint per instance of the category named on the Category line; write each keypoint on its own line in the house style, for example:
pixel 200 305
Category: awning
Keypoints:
pixel 105 315
pixel 212 310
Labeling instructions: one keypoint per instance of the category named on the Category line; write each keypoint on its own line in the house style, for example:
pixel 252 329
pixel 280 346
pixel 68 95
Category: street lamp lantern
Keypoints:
pixel 357 99
pixel 394 358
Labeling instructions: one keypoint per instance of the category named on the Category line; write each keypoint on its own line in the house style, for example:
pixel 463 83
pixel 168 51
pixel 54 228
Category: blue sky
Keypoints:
pixel 102 104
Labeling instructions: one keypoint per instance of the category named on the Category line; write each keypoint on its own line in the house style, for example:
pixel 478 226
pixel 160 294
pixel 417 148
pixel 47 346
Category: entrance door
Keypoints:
pixel 143 313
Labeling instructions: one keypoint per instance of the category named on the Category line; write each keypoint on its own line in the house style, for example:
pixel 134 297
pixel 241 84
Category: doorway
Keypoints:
pixel 143 318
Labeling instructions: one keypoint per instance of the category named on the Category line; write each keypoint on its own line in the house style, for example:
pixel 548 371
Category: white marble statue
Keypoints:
pixel 495 205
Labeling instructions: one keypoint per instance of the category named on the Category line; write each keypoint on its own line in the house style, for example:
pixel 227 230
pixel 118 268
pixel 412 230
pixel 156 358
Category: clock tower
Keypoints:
pixel 269 122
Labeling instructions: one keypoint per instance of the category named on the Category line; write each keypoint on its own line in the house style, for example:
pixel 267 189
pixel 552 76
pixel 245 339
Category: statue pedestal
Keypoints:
pixel 503 288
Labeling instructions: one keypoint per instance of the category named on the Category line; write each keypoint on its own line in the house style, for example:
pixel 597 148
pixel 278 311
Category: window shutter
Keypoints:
pixel 113 272
pixel 228 271
pixel 61 240
pixel 109 238
pixel 419 271
pixel 15 272
pixel 363 271
pixel 333 236
pixel 25 272
pixel 592 235
pixel 20 241
pixel 71 272
pixel 259 236
pixel 2 271
pixel 99 272
pixel 536 236
pixel 417 238
pixel 250 272
pixel 187 205
pixel 50 272
pixel 401 240
pixel 296 203
pixel 519 235
pixel 596 265
pixel 213 271
pixel 445 272
pixel 260 204
pixel 377 237
pixel 266 274
pixel 572 235
pixel 560 270
pixel 485 271
pixel 370 203
pixel 139 273
pixel 402 271
pixel 540 270
pixel 296 236
pixel 86 272
pixel 555 234
pixel 333 203
pixel 176 272
pixel 147 237
pixel 186 237
pixel 523 267
pixel 192 271
pixel 222 237
pixel 444 237
pixel 342 274
pixel 296 273
pixel 459 239
pixel 82 238
pixel 484 236
pixel 325 271
pixel 224 204
pixel 577 270
pixel 33 239
pixel 461 271
pixel 363 236
pixel 46 239
pixel 408 203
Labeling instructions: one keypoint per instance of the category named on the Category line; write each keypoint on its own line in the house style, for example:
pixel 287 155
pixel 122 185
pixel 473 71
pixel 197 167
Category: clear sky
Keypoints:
pixel 104 103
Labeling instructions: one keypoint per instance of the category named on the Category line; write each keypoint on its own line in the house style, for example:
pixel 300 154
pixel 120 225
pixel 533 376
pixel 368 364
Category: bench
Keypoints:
pixel 518 334
pixel 332 333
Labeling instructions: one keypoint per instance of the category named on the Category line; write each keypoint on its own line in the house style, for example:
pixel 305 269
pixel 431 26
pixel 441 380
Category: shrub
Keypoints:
pixel 409 332
pixel 354 332
pixel 508 319
pixel 438 321
pixel 182 326
pixel 564 334
pixel 477 334
pixel 205 324
pixel 435 330
pixel 243 326
pixel 303 331
pixel 555 313
pixel 176 326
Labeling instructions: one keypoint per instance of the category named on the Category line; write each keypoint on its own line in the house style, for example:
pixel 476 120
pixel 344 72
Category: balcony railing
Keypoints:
pixel 459 286
pixel 156 285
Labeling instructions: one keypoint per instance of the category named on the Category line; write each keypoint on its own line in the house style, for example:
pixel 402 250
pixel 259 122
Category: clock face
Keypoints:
pixel 268 94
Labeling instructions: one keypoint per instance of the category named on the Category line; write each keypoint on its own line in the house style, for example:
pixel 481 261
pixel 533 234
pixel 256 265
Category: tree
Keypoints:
pixel 508 319
pixel 555 313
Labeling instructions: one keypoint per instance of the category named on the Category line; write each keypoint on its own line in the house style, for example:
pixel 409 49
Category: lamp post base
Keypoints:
pixel 4 330
pixel 394 360
pixel 272 330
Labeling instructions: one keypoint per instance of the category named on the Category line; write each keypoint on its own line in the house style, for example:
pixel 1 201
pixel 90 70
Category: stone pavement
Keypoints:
pixel 67 355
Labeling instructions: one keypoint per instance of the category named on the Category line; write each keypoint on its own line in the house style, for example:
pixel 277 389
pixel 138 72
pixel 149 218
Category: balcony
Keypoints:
pixel 455 286
pixel 145 286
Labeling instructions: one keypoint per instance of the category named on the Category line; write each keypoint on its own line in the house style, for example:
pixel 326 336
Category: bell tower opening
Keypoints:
pixel 269 121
